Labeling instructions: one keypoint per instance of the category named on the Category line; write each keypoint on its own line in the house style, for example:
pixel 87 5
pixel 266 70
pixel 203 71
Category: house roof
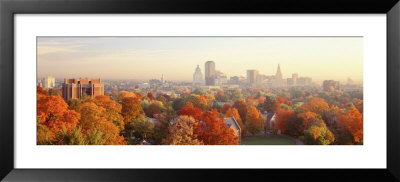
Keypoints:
pixel 270 116
pixel 232 122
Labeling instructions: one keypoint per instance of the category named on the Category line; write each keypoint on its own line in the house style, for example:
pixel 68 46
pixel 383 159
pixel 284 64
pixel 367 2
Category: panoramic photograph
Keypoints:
pixel 199 90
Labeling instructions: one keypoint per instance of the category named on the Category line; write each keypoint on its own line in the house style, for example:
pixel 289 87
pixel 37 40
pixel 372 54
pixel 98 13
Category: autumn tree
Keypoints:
pixel 142 128
pixel 43 134
pixel 220 96
pixel 225 108
pixel 270 104
pixel 198 101
pixel 306 119
pixel 70 137
pixel 316 105
pixel 160 128
pixel 199 91
pixel 318 135
pixel 41 91
pixel 152 110
pixel 94 117
pixel 74 104
pixel 214 131
pixel 281 117
pixel 241 106
pixel 254 122
pixel 182 132
pixel 190 110
pixel 112 110
pixel 53 112
pixel 178 103
pixel 353 123
pixel 125 94
pixel 150 96
pixel 131 108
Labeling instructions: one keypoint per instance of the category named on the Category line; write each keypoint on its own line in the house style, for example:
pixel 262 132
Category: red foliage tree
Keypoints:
pixel 190 110
pixel 281 118
pixel 225 108
pixel 242 109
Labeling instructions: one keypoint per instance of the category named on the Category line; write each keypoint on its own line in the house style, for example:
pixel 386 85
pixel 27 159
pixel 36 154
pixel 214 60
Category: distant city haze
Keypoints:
pixel 144 58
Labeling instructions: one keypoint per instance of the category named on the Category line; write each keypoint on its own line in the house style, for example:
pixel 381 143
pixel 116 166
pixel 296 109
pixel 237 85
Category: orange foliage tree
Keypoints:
pixel 281 117
pixel 254 122
pixel 53 112
pixel 214 131
pixel 94 119
pixel 316 105
pixel 112 110
pixel 353 122
pixel 131 108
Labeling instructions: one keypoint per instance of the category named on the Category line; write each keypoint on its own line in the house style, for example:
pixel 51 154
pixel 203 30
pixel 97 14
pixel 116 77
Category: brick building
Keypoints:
pixel 79 87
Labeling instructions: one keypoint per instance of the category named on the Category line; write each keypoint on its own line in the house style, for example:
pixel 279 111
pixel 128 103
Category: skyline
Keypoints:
pixel 144 58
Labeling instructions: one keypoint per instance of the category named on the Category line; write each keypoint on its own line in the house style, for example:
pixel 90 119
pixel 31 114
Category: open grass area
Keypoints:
pixel 267 140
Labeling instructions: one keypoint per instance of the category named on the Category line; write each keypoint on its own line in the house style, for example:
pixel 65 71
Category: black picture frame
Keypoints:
pixel 9 8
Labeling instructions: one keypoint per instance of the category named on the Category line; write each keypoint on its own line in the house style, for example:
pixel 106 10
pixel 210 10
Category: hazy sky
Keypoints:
pixel 177 57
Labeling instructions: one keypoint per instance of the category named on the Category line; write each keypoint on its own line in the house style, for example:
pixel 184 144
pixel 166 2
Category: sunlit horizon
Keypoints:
pixel 144 58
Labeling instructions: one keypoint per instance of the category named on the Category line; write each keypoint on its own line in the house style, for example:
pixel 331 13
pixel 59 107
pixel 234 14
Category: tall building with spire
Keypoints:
pixel 278 75
pixel 279 81
pixel 198 76
pixel 162 78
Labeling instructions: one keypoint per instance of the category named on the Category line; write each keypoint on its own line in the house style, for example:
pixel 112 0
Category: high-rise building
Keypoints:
pixel 252 76
pixel 80 87
pixel 198 76
pixel 49 82
pixel 303 81
pixel 234 80
pixel 329 85
pixel 162 78
pixel 210 73
pixel 289 81
pixel 295 77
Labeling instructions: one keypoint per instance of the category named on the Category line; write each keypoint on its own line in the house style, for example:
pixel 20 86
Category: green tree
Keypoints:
pixel 73 137
pixel 142 128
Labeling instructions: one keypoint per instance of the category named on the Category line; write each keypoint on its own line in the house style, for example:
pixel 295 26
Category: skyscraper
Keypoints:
pixel 295 76
pixel 198 76
pixel 252 76
pixel 210 73
pixel 49 82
